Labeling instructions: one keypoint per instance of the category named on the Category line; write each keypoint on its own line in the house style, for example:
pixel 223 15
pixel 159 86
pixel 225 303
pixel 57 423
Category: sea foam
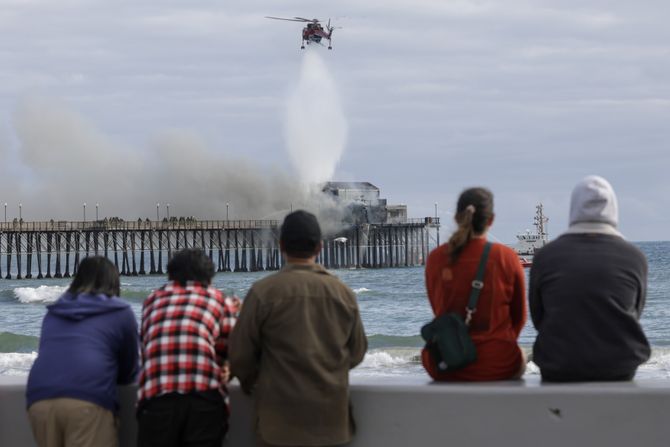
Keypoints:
pixel 389 362
pixel 41 294
pixel 16 364
pixel 361 290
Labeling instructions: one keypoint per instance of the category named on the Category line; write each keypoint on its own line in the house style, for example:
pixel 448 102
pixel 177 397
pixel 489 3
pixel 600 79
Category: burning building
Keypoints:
pixel 363 202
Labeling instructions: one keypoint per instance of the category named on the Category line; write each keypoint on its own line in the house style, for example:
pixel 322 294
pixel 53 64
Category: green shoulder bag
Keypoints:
pixel 447 337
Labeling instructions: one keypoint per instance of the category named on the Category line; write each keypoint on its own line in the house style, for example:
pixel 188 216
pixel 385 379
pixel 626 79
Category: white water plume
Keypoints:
pixel 316 129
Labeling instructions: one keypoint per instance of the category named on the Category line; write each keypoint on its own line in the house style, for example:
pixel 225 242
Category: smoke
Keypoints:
pixel 316 129
pixel 64 161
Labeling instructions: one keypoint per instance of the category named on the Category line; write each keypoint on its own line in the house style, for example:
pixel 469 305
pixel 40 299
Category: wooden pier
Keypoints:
pixel 53 249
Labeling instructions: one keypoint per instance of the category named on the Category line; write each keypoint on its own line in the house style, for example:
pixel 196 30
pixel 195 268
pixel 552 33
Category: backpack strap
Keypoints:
pixel 477 284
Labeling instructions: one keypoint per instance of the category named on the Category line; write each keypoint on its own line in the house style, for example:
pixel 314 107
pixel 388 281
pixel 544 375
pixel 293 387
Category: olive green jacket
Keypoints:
pixel 298 334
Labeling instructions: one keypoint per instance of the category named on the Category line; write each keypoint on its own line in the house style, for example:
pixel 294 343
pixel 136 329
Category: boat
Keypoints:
pixel 529 242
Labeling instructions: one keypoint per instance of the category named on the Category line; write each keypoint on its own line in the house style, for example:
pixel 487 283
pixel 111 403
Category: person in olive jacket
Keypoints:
pixel 298 334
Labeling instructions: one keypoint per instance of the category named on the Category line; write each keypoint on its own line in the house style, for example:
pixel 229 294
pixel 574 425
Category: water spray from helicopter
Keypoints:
pixel 315 128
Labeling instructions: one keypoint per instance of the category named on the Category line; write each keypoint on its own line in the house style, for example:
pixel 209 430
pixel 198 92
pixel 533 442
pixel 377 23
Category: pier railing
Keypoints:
pixel 54 248
pixel 137 225
pixel 174 224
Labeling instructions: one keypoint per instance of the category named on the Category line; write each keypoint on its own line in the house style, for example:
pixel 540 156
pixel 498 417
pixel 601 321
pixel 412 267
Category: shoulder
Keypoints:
pixel 289 282
pixel 124 308
pixel 213 295
pixel 128 319
pixel 633 249
pixel 503 251
pixel 338 284
pixel 212 292
pixel 637 260
pixel 438 257
pixel 268 283
pixel 559 245
pixel 114 307
pixel 156 294
pixel 506 257
pixel 439 253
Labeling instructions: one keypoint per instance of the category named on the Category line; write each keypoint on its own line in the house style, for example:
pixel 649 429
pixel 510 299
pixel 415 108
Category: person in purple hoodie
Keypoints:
pixel 89 344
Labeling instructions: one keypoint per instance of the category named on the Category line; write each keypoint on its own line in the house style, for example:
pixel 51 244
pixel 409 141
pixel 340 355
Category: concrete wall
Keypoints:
pixel 414 412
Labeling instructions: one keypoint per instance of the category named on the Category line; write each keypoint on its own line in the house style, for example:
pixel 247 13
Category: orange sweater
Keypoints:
pixel 501 310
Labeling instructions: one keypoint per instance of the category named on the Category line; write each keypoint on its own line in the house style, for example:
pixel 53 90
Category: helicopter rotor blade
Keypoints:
pixel 288 20
pixel 307 20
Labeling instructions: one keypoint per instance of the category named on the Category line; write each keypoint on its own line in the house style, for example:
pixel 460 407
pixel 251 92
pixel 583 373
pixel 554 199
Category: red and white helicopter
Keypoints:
pixel 313 32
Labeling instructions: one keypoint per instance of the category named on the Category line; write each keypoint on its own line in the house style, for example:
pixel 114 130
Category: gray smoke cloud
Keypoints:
pixel 64 161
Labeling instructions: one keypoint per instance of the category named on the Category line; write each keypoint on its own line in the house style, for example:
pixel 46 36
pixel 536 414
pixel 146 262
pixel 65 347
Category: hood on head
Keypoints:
pixel 593 200
pixel 84 305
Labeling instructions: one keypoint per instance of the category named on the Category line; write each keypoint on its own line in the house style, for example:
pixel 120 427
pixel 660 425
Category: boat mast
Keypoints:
pixel 540 222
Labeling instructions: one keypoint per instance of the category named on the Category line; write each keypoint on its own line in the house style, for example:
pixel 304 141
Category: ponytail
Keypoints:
pixel 473 213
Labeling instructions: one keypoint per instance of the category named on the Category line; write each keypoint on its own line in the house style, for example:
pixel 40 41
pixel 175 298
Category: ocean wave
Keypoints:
pixel 41 294
pixel 382 359
pixel 377 341
pixel 17 343
pixel 49 294
pixel 658 366
pixel 16 364
pixel 390 362
pixel 135 295
pixel 360 290
pixel 532 369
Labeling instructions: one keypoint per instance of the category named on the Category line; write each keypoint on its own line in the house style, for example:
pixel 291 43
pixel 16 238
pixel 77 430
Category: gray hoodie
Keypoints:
pixel 587 291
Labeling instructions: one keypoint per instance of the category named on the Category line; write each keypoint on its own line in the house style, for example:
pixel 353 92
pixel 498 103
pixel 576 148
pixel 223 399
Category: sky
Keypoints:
pixel 132 103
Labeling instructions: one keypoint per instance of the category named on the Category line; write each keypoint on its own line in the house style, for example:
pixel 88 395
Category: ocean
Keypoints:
pixel 393 307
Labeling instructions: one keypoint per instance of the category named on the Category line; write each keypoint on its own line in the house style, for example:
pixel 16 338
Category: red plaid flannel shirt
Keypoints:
pixel 184 336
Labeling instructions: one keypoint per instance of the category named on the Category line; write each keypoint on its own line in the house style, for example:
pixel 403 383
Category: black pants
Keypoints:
pixel 183 420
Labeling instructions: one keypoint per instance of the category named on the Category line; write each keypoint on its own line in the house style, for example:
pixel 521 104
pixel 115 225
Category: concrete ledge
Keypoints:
pixel 394 412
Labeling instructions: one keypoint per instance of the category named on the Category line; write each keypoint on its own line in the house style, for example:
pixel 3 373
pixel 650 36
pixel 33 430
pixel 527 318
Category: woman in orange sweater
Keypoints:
pixel 501 309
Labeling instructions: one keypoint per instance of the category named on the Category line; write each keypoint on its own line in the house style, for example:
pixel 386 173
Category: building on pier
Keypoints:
pixel 364 203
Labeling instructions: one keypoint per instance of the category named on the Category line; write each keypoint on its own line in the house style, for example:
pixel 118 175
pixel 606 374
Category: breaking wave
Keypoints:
pixel 16 364
pixel 41 294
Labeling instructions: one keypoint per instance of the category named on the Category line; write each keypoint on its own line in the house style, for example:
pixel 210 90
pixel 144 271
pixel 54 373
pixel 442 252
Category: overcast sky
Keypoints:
pixel 524 97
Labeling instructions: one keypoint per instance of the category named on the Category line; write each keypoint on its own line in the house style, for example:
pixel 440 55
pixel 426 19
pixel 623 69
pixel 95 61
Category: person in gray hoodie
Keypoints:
pixel 586 294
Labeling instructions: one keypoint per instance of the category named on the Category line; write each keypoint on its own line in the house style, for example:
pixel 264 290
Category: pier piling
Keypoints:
pixel 233 246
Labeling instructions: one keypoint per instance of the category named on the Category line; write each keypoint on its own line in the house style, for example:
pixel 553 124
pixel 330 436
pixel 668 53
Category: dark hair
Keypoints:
pixel 96 275
pixel 190 264
pixel 473 212
pixel 300 234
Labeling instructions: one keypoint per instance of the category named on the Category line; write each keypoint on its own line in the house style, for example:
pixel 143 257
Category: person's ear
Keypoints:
pixel 318 248
pixel 491 219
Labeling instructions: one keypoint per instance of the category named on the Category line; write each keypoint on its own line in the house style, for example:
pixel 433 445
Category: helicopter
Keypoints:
pixel 313 32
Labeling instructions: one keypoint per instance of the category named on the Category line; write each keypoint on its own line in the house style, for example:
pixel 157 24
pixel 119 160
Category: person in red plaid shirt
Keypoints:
pixel 182 395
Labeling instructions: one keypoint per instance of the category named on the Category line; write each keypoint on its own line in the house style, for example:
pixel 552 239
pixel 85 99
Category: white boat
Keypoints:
pixel 529 242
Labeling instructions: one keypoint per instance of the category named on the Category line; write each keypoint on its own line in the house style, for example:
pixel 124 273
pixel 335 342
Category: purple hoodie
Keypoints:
pixel 88 345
